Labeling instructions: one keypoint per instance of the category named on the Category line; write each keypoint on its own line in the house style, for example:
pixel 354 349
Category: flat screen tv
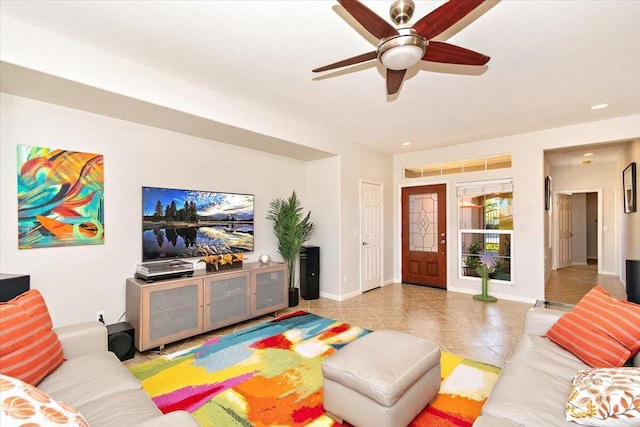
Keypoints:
pixel 190 223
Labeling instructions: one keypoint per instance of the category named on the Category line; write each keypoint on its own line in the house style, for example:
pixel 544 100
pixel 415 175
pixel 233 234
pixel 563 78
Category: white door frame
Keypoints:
pixel 556 232
pixel 381 230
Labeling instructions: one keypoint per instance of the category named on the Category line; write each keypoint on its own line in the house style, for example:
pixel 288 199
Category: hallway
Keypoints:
pixel 570 284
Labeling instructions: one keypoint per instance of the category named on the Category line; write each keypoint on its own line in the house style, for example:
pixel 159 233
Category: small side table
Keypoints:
pixel 553 305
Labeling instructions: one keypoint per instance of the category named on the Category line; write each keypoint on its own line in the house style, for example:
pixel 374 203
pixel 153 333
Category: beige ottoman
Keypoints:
pixel 385 378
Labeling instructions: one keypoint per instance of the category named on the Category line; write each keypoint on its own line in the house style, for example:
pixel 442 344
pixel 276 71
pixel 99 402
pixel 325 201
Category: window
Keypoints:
pixel 501 161
pixel 486 228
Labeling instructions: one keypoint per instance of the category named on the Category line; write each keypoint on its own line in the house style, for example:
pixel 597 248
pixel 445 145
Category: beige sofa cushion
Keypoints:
pixel 87 378
pixel 534 384
pixel 126 408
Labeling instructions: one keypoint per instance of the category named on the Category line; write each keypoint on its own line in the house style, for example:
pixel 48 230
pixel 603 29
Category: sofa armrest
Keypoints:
pixel 539 320
pixel 82 338
pixel 172 419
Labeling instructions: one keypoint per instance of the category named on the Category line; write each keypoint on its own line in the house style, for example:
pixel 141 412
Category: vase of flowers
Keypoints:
pixel 223 261
pixel 486 268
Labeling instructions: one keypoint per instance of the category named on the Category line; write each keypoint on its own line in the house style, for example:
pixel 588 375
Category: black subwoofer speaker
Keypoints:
pixel 633 280
pixel 310 272
pixel 121 340
pixel 12 285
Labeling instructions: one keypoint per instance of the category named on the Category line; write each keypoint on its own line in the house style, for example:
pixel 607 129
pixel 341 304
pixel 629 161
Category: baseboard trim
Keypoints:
pixel 495 294
pixel 339 297
pixel 609 273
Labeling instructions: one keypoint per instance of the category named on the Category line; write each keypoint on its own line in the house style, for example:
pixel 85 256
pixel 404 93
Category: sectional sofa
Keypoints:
pixel 536 382
pixel 78 380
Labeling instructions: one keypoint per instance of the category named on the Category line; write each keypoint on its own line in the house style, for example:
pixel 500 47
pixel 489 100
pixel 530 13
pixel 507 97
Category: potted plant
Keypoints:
pixel 472 261
pixel 292 229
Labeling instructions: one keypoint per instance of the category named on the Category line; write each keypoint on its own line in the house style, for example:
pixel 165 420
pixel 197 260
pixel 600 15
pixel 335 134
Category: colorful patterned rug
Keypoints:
pixel 270 374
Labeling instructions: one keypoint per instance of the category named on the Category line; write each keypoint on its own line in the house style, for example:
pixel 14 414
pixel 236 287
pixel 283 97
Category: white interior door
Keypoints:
pixel 564 230
pixel 370 236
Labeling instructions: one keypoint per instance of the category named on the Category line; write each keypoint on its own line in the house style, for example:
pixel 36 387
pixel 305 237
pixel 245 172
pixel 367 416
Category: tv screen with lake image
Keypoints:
pixel 189 223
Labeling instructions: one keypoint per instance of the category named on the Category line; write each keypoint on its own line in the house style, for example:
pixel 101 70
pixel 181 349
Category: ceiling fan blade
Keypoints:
pixel 369 19
pixel 444 17
pixel 451 54
pixel 355 60
pixel 394 80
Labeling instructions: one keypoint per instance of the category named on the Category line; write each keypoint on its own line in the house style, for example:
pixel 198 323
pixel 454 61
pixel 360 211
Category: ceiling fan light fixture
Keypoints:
pixel 402 51
pixel 401 57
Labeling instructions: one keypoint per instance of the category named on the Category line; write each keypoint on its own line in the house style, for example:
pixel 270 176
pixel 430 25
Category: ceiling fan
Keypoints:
pixel 402 47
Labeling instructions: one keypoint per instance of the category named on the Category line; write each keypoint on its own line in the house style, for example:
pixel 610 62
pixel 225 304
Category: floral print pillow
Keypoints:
pixel 22 404
pixel 605 397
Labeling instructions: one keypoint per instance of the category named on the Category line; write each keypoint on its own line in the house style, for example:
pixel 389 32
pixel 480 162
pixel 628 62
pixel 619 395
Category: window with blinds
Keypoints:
pixel 485 229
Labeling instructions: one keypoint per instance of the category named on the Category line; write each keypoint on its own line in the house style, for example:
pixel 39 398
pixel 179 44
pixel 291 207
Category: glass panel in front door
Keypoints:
pixel 423 222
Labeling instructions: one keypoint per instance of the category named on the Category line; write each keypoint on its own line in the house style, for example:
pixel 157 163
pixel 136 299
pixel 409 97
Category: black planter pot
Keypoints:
pixel 294 297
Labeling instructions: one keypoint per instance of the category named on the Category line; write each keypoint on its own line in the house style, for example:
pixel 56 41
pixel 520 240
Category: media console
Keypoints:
pixel 170 310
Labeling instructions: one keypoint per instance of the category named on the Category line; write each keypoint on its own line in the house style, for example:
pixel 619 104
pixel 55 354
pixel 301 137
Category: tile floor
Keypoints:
pixel 486 332
pixel 570 284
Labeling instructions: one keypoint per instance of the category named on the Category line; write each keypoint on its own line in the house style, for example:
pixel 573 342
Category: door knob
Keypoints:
pixel 365 243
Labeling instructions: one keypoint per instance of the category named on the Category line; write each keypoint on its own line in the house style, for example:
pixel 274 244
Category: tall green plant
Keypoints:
pixel 291 228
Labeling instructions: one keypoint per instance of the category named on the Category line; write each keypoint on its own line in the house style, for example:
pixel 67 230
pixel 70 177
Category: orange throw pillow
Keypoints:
pixel 600 330
pixel 29 349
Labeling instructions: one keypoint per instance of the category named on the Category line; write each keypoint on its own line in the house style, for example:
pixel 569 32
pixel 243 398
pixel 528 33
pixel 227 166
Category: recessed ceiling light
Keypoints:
pixel 588 154
pixel 406 143
pixel 599 106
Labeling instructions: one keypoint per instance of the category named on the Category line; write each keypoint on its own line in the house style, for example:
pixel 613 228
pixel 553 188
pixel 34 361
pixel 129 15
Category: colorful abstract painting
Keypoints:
pixel 60 198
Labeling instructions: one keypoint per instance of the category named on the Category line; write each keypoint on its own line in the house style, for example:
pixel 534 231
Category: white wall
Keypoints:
pixel 357 162
pixel 629 223
pixel 32 48
pixel 548 230
pixel 579 228
pixel 528 170
pixel 78 281
pixel 323 178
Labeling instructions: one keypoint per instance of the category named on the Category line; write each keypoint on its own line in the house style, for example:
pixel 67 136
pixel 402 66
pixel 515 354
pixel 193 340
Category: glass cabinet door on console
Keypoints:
pixel 227 299
pixel 169 310
pixel 173 311
pixel 269 289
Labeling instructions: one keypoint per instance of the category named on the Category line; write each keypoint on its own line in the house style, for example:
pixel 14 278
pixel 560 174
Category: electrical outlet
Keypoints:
pixel 100 316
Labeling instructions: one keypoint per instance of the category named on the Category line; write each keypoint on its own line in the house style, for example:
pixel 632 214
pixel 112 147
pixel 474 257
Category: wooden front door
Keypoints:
pixel 424 238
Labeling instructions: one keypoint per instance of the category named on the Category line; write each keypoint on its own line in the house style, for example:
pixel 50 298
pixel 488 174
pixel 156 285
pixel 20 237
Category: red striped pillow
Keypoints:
pixel 29 349
pixel 600 330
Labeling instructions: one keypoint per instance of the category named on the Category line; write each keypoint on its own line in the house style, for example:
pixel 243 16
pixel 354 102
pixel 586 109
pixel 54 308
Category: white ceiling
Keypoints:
pixel 586 155
pixel 550 61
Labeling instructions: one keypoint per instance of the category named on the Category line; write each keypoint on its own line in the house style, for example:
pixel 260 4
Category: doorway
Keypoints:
pixel 578 230
pixel 424 238
pixel 565 231
pixel 371 236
